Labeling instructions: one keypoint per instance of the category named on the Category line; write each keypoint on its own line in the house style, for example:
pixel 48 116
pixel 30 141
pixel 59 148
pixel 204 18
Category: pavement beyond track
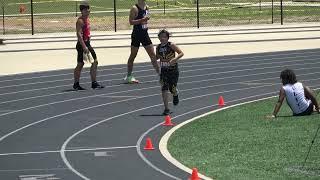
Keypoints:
pixel 100 134
pixel 44 52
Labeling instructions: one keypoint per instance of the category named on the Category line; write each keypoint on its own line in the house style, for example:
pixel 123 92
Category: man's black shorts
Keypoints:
pixel 80 51
pixel 140 36
pixel 308 111
pixel 169 77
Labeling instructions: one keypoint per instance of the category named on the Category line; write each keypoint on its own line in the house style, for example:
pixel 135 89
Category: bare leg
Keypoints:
pixel 77 72
pixel 133 55
pixel 165 97
pixel 93 71
pixel 153 58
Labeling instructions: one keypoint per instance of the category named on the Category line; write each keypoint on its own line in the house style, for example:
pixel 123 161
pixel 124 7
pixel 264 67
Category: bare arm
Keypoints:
pixel 133 14
pixel 177 50
pixel 79 25
pixel 278 105
pixel 157 53
pixel 310 95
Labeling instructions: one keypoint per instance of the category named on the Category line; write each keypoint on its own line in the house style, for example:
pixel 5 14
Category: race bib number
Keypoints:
pixel 145 26
pixel 164 64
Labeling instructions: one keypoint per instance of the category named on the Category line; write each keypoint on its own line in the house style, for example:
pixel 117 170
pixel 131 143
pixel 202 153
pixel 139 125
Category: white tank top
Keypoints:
pixel 296 98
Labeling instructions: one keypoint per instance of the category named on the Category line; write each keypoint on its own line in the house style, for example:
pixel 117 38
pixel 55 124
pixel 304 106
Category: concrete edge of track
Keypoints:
pixel 164 140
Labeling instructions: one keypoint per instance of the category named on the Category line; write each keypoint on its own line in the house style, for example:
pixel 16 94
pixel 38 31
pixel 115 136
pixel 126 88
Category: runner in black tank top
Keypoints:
pixel 139 17
pixel 166 52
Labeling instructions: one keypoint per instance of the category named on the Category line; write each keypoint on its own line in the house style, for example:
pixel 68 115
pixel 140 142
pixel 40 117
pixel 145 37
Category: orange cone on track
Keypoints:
pixel 221 101
pixel 194 175
pixel 167 121
pixel 149 145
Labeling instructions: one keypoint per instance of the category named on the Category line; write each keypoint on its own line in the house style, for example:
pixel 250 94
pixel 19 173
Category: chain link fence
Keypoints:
pixel 45 16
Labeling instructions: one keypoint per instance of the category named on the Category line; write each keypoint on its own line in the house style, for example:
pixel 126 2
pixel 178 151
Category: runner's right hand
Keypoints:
pixel 145 19
pixel 86 50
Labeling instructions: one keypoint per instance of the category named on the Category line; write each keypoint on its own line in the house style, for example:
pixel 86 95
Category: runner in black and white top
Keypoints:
pixel 299 97
pixel 166 51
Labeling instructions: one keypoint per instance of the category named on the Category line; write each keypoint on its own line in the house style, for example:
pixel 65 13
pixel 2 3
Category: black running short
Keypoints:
pixel 308 111
pixel 140 36
pixel 80 51
pixel 169 78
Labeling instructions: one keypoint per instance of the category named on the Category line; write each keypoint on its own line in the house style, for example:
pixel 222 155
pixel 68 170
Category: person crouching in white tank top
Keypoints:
pixel 299 97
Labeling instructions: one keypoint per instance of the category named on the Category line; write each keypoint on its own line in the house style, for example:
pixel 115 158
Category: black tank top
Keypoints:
pixel 141 14
pixel 166 53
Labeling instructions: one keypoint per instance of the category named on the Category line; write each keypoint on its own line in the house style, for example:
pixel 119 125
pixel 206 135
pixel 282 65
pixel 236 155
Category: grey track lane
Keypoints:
pixel 55 113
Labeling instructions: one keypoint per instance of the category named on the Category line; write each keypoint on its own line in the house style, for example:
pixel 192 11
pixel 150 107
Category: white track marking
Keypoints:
pixel 19 170
pixel 249 69
pixel 67 150
pixel 63 155
pixel 191 62
pixel 217 66
pixel 184 77
pixel 64 147
pixel 164 140
pixel 106 95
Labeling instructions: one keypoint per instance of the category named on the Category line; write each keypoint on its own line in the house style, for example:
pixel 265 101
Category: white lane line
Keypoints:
pixel 63 147
pixel 184 77
pixel 106 95
pixel 192 70
pixel 63 101
pixel 217 66
pixel 165 138
pixel 67 150
pixel 253 84
pixel 191 62
pixel 60 115
pixel 23 170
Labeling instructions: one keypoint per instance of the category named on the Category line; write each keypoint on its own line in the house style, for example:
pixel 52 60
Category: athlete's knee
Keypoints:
pixel 80 65
pixel 95 63
pixel 132 57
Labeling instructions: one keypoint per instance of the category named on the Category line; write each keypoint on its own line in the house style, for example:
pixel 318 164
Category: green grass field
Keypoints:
pixel 241 143
pixel 58 6
pixel 61 14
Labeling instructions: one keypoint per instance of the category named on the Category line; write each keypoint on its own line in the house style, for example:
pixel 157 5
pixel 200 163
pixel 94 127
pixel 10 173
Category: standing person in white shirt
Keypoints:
pixel 299 97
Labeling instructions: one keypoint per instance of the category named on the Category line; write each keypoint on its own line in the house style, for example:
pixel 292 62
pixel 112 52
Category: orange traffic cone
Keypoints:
pixel 167 121
pixel 194 175
pixel 221 101
pixel 149 145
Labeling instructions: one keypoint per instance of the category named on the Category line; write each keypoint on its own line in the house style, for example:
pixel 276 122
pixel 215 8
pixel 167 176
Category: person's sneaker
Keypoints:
pixel 96 85
pixel 130 80
pixel 175 100
pixel 76 86
pixel 166 112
